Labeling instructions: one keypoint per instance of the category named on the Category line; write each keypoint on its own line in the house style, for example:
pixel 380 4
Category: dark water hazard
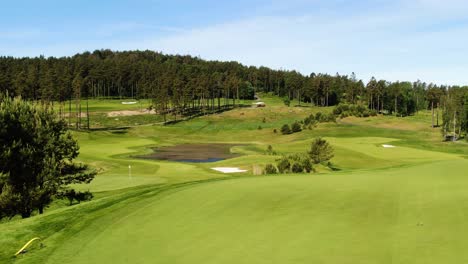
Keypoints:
pixel 194 153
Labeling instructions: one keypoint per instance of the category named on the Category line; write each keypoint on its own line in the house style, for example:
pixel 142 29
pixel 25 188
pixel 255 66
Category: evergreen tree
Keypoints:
pixel 320 151
pixel 36 158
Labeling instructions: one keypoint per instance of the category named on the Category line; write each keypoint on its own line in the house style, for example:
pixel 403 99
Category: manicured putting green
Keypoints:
pixel 415 214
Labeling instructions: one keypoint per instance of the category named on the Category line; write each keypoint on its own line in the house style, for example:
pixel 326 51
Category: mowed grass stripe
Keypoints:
pixel 344 218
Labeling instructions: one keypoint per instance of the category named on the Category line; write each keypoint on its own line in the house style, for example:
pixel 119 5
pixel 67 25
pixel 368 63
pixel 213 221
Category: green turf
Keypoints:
pixel 384 205
pixel 404 215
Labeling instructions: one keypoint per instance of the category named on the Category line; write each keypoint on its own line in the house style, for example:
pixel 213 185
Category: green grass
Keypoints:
pixel 106 105
pixel 368 212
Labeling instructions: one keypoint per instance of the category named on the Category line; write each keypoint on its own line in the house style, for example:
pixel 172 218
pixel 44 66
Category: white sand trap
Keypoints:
pixel 126 103
pixel 388 146
pixel 228 170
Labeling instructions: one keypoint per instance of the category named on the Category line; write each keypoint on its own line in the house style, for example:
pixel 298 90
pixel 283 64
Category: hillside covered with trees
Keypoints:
pixel 184 84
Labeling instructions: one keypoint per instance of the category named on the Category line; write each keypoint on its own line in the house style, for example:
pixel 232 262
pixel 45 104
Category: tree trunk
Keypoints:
pixel 432 109
pixel 378 103
pixel 69 112
pixel 417 104
pixel 454 126
pixel 87 112
pixel 237 88
pixel 327 98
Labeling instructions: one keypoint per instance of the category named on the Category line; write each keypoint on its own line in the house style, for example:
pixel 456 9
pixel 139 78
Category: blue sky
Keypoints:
pixel 393 40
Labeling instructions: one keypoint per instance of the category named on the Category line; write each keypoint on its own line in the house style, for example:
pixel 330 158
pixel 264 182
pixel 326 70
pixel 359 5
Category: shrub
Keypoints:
pixel 285 129
pixel 320 151
pixel 72 195
pixel 297 168
pixel 296 157
pixel 296 127
pixel 270 150
pixel 270 169
pixel 264 120
pixel 318 116
pixel 307 164
pixel 344 110
pixel 275 131
pixel 83 196
pixel 259 127
pixel 287 102
pixel 283 165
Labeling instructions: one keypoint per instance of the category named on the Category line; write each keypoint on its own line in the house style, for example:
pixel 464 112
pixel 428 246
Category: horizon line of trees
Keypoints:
pixel 184 85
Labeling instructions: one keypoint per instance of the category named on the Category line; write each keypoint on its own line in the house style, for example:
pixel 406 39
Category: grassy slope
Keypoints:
pixel 345 218
pixel 369 173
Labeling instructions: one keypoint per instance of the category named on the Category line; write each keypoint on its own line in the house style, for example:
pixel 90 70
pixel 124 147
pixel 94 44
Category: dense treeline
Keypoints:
pixel 182 85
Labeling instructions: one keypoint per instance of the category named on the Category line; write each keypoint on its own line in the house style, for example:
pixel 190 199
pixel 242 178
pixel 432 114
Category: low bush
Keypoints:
pixel 285 129
pixel 297 168
pixel 270 169
pixel 345 110
pixel 284 165
pixel 296 127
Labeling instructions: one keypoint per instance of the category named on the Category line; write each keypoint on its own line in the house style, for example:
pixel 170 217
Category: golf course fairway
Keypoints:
pixel 410 214
pixel 373 204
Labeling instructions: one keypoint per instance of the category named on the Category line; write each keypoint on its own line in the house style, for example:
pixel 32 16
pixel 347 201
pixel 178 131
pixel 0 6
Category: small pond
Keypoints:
pixel 195 153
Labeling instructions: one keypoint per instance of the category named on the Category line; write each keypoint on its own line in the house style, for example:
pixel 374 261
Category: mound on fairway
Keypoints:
pixel 348 218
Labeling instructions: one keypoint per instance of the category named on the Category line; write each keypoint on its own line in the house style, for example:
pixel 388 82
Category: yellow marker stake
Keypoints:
pixel 27 244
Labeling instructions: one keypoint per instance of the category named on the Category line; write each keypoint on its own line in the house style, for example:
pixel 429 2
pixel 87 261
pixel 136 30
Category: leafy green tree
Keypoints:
pixel 36 158
pixel 453 125
pixel 320 151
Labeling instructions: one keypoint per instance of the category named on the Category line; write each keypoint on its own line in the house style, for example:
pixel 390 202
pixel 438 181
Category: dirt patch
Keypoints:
pixel 74 115
pixel 193 153
pixel 130 113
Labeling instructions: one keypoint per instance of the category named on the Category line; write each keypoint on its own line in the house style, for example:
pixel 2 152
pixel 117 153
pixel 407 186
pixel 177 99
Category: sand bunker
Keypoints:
pixel 128 103
pixel 198 153
pixel 130 113
pixel 388 146
pixel 228 170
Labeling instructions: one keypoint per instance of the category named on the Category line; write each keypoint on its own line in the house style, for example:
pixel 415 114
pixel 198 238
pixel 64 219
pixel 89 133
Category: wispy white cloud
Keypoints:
pixel 385 44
